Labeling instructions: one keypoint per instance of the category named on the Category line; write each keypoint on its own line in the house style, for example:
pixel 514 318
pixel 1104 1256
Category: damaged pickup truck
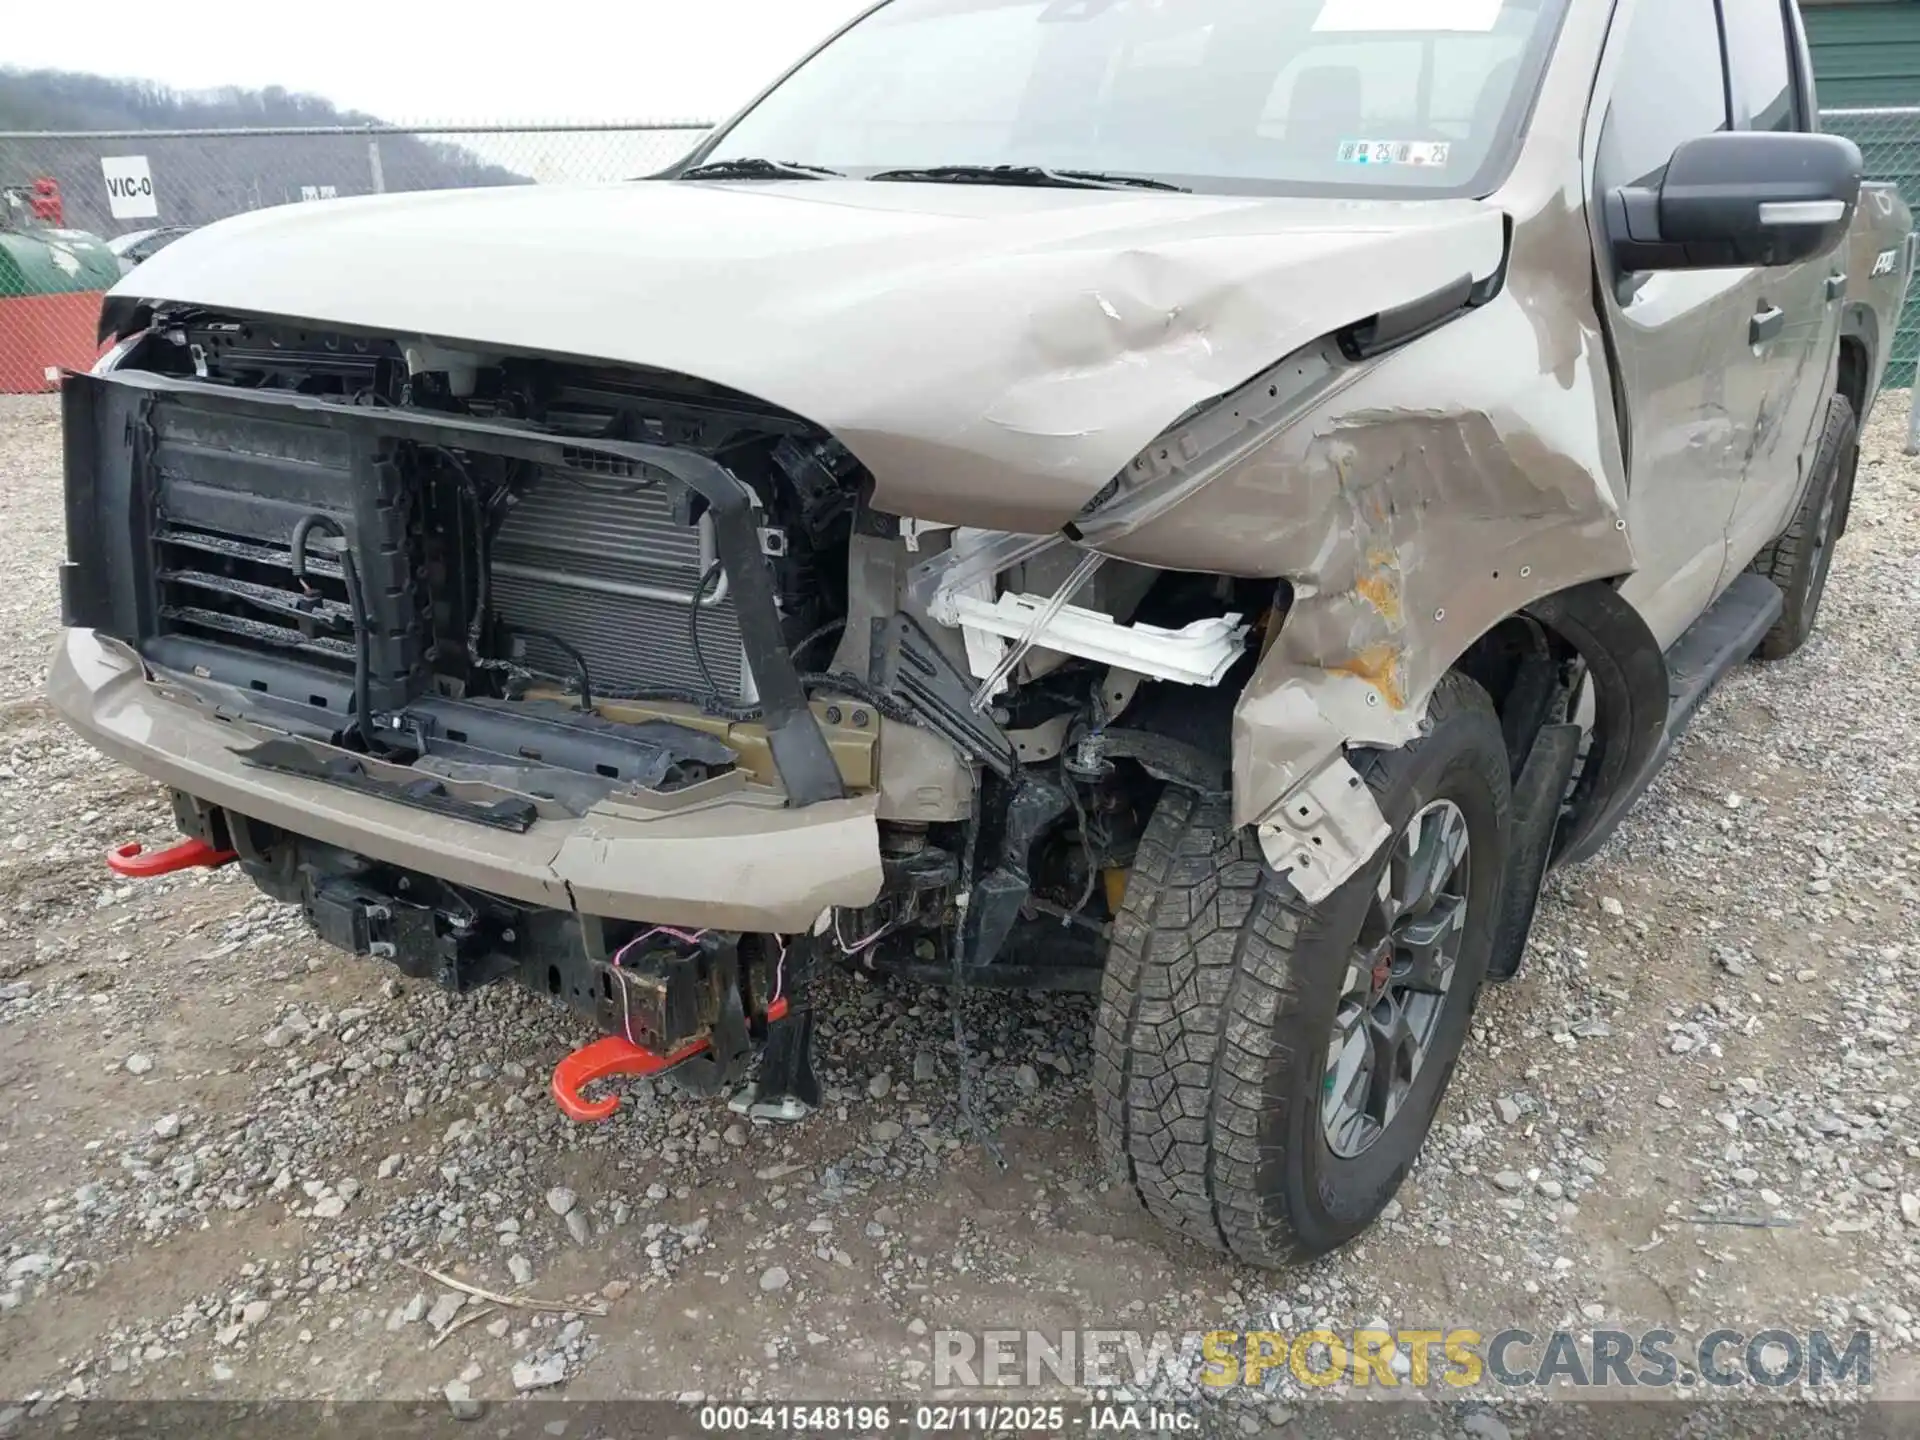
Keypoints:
pixel 1196 501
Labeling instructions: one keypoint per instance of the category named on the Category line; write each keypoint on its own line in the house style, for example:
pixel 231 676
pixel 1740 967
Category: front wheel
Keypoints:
pixel 1266 1070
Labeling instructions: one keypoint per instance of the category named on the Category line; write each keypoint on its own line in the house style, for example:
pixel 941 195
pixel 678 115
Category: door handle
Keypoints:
pixel 1767 325
pixel 1836 286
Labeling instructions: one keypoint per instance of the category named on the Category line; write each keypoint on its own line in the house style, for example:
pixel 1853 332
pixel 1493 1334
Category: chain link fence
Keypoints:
pixel 71 202
pixel 79 208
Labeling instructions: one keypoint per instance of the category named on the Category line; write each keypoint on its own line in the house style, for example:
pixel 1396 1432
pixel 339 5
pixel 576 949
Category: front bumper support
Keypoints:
pixel 744 862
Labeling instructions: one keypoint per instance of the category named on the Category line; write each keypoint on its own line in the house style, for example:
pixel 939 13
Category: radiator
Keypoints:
pixel 599 560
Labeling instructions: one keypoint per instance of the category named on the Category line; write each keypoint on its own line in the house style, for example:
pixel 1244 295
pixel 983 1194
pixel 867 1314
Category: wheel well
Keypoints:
pixel 1529 662
pixel 1855 366
pixel 1200 719
pixel 1522 665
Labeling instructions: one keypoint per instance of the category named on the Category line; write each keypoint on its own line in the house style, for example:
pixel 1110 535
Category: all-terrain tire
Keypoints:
pixel 1798 561
pixel 1219 1000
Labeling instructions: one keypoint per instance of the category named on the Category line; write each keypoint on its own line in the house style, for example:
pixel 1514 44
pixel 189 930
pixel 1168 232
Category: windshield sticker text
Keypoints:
pixel 1429 154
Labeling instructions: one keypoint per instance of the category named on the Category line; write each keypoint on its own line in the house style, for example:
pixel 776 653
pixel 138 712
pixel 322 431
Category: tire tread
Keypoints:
pixel 1199 981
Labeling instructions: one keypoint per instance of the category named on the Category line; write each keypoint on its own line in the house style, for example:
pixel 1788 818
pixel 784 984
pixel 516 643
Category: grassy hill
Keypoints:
pixel 204 178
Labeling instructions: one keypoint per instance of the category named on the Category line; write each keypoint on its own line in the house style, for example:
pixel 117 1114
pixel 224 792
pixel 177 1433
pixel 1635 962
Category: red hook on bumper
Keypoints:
pixel 134 861
pixel 604 1058
pixel 613 1055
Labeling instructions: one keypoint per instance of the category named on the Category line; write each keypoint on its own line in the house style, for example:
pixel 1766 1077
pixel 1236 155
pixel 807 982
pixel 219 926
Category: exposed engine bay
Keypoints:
pixel 507 589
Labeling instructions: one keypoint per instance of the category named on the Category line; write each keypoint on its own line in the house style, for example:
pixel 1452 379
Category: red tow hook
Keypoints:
pixel 134 861
pixel 613 1055
pixel 604 1058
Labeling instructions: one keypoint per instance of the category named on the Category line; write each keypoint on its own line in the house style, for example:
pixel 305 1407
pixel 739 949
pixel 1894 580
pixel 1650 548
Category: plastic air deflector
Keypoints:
pixel 906 663
pixel 134 861
pixel 1537 797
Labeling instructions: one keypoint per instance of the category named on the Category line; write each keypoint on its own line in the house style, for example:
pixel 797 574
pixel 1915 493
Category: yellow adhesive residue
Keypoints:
pixel 1380 666
pixel 1380 586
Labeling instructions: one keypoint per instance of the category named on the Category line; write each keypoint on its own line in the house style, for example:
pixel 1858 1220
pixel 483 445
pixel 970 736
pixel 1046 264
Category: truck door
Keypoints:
pixel 1690 379
pixel 1802 304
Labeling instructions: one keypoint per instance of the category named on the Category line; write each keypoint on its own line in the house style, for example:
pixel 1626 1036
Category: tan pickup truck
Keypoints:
pixel 1201 503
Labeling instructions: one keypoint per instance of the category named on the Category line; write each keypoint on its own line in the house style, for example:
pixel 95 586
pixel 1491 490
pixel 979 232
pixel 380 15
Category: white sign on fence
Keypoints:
pixel 319 192
pixel 130 187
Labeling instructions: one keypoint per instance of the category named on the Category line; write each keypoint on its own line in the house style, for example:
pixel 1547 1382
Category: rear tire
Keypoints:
pixel 1799 560
pixel 1224 992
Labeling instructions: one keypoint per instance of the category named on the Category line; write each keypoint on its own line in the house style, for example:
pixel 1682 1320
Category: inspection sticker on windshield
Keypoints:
pixel 1428 154
pixel 1478 16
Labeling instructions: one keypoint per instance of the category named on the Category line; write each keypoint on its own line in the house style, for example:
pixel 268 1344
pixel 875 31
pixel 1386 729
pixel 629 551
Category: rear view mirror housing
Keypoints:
pixel 1738 199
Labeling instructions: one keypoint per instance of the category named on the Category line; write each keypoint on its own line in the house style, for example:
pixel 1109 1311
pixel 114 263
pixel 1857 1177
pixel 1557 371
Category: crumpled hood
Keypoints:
pixel 993 355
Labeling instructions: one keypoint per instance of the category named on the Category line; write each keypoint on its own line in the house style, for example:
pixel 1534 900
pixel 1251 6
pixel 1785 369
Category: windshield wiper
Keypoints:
pixel 753 168
pixel 1027 175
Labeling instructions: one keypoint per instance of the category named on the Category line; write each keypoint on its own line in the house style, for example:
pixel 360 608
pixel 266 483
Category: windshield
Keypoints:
pixel 1296 97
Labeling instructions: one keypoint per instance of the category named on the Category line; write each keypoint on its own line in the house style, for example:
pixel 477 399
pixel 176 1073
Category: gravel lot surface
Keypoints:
pixel 228 1149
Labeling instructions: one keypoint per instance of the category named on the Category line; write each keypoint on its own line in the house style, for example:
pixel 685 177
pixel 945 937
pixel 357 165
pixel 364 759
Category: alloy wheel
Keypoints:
pixel 1399 974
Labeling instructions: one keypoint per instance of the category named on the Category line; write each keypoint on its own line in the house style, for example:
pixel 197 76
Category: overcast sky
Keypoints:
pixel 429 60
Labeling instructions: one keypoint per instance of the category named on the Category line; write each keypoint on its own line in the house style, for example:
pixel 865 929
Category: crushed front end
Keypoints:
pixel 602 680
pixel 492 684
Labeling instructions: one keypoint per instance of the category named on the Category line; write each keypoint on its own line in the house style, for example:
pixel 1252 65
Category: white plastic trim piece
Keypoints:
pixel 111 360
pixel 1803 212
pixel 1200 654
pixel 973 565
pixel 1037 625
pixel 912 531
pixel 984 654
pixel 1325 830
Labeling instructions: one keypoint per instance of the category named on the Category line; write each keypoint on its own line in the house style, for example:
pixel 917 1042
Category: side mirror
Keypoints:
pixel 1739 198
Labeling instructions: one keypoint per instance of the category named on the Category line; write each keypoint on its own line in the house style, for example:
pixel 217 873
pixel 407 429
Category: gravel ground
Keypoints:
pixel 229 1149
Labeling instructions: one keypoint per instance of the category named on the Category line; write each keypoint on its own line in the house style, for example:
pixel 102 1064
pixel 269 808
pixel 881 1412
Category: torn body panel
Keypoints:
pixel 1408 525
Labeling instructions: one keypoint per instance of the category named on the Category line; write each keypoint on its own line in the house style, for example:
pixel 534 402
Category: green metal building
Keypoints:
pixel 1866 53
pixel 1866 58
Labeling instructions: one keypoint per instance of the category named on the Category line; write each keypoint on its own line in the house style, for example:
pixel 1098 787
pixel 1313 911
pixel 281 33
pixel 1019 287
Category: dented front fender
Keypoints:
pixel 1412 508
